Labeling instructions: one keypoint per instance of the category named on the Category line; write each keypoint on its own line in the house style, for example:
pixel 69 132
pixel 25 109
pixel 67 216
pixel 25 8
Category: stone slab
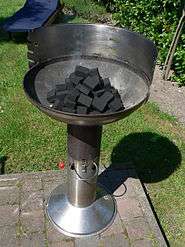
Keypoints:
pixel 23 221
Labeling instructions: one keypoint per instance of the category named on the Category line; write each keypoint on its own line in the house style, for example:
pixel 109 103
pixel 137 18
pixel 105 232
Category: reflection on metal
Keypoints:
pixel 80 221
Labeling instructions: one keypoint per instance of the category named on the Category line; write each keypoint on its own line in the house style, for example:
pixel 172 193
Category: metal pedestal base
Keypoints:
pixel 80 222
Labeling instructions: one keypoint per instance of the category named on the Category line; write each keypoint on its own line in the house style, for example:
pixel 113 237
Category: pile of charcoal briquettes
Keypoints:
pixel 85 92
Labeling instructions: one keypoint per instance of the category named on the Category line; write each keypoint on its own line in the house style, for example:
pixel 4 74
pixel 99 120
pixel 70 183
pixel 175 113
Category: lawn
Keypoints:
pixel 152 140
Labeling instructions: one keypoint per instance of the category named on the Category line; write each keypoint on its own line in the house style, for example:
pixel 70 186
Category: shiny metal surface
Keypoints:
pixel 82 183
pixel 83 144
pixel 79 208
pixel 80 222
pixel 125 57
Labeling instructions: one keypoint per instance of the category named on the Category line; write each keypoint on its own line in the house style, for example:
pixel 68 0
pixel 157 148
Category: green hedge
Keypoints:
pixel 157 19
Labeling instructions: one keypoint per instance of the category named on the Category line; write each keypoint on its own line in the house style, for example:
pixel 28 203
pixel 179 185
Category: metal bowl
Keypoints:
pixel 127 58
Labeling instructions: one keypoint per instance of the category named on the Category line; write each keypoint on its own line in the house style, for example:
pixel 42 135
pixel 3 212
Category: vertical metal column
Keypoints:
pixel 83 162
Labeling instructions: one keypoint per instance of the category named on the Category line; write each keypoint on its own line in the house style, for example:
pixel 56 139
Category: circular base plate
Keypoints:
pixel 80 222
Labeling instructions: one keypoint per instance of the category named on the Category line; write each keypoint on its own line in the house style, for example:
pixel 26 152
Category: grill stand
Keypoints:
pixel 80 208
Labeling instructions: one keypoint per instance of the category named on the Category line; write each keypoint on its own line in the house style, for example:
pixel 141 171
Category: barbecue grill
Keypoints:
pixel 81 207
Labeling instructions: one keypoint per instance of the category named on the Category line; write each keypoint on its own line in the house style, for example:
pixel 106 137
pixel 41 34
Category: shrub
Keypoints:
pixel 157 20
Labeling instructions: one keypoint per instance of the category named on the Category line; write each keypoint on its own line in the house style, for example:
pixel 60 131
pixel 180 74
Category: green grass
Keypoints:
pixel 152 140
pixel 86 8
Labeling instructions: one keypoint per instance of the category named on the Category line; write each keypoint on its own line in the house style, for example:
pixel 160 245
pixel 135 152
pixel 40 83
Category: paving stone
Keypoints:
pixel 143 243
pixel 32 221
pixel 117 240
pixel 138 188
pixel 53 235
pixel 31 175
pixel 8 236
pixel 34 184
pixel 116 228
pixel 129 208
pixel 33 240
pixel 50 186
pixel 10 243
pixel 129 183
pixel 121 191
pixel 31 200
pixel 9 215
pixel 138 229
pixel 9 195
pixel 9 181
pixel 87 242
pixel 126 189
pixel 61 244
pixel 118 182
pixel 136 217
pixel 149 216
pixel 54 175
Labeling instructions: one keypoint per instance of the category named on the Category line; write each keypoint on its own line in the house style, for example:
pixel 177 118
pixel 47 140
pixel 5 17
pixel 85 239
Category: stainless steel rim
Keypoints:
pixel 125 57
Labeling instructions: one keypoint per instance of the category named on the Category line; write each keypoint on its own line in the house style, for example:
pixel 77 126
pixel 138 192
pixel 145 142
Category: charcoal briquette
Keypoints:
pixel 100 103
pixel 106 83
pixel 75 79
pixel 107 96
pixel 94 72
pixel 58 104
pixel 83 89
pixel 94 112
pixel 69 103
pixel 81 71
pixel 69 84
pixel 67 109
pixel 99 92
pixel 114 91
pixel 85 100
pixel 61 94
pixel 51 96
pixel 108 110
pixel 67 80
pixel 85 92
pixel 60 87
pixel 73 94
pixel 81 110
pixel 92 82
pixel 116 104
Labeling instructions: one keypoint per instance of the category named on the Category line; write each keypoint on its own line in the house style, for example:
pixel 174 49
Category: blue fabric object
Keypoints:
pixel 31 16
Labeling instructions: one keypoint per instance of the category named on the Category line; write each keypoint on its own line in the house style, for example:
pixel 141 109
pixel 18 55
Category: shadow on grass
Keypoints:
pixel 154 156
pixel 3 160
